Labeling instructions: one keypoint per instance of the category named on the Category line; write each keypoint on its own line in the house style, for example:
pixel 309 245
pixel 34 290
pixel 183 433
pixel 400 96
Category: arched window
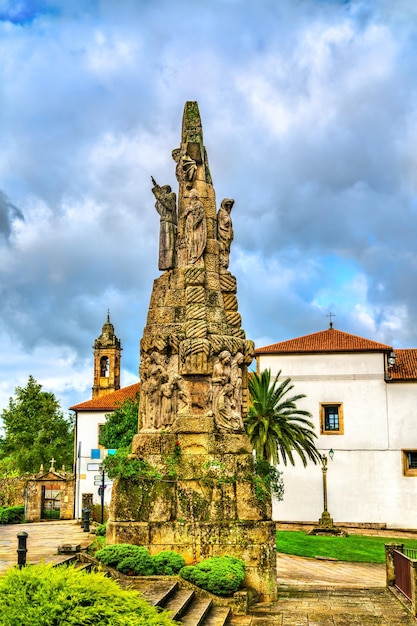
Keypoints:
pixel 104 366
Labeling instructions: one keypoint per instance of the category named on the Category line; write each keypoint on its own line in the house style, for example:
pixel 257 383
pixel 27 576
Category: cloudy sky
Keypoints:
pixel 309 110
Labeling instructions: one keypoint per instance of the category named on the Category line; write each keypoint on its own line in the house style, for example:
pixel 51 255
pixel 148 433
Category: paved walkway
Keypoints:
pixel 42 542
pixel 315 592
pixel 312 592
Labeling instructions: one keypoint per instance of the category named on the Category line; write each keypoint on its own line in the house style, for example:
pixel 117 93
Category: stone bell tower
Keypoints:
pixel 196 490
pixel 107 354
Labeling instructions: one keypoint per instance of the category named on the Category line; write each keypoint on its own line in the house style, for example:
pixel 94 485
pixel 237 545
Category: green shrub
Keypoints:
pixel 127 558
pixel 112 555
pixel 167 563
pixel 12 514
pixel 98 544
pixel 40 595
pixel 130 559
pixel 139 563
pixel 101 530
pixel 221 575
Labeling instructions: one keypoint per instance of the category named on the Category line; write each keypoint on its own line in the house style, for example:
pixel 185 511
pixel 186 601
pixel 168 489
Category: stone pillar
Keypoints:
pixel 389 561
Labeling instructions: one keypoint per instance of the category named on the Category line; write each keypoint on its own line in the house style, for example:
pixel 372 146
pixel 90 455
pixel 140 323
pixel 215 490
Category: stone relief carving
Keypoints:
pixel 236 379
pixel 227 391
pixel 226 416
pixel 153 373
pixel 225 231
pixel 195 229
pixel 166 205
pixel 186 167
pixel 163 393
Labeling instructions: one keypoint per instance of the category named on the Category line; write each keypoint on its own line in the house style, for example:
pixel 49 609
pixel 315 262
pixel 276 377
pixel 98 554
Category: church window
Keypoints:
pixel 331 419
pixel 409 462
pixel 104 366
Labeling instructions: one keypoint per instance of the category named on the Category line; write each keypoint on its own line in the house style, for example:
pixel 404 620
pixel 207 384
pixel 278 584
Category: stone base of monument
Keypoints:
pixel 253 542
pixel 199 496
pixel 327 527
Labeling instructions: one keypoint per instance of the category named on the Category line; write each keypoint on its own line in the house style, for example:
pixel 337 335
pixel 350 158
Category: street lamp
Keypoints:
pixel 326 525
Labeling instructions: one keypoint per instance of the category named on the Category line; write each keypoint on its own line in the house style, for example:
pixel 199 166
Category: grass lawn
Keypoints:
pixel 353 548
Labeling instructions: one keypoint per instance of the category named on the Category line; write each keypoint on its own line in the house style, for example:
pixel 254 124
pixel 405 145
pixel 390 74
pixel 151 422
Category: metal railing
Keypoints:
pixel 411 553
pixel 402 573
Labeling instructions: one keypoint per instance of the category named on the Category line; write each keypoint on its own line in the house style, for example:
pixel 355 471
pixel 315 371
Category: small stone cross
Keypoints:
pixel 52 468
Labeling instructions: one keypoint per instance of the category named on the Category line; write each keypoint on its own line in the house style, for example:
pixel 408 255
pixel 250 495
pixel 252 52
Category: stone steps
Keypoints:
pixel 185 605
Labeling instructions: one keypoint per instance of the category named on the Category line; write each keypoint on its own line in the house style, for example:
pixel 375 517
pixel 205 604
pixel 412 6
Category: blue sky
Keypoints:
pixel 309 110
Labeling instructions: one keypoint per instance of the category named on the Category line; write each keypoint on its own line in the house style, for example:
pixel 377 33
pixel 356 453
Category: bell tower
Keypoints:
pixel 107 355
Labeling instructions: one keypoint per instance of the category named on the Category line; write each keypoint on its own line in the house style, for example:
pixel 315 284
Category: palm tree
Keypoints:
pixel 274 425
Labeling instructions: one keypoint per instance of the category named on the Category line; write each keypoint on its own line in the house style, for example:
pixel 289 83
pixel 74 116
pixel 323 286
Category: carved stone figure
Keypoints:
pixel 181 399
pixel 195 229
pixel 236 379
pixel 155 374
pixel 166 205
pixel 221 377
pixel 226 416
pixel 186 168
pixel 165 417
pixel 225 231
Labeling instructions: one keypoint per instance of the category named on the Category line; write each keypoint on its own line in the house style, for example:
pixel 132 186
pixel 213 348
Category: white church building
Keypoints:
pixel 363 399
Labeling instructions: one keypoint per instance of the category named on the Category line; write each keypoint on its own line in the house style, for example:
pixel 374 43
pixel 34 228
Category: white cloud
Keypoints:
pixel 309 117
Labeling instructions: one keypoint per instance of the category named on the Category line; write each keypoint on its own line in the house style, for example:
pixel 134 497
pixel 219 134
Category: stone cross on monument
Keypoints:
pixel 194 356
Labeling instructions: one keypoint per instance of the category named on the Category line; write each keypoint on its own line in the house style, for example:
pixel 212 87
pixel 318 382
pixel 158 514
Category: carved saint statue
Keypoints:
pixel 166 206
pixel 221 377
pixel 225 231
pixel 226 416
pixel 154 375
pixel 195 229
pixel 236 379
pixel 186 167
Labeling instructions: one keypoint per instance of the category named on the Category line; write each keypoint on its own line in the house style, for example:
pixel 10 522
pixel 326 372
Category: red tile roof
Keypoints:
pixel 330 340
pixel 109 401
pixel 405 367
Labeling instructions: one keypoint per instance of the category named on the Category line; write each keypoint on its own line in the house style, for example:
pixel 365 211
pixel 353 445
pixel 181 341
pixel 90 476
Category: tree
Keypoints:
pixel 36 430
pixel 121 425
pixel 275 426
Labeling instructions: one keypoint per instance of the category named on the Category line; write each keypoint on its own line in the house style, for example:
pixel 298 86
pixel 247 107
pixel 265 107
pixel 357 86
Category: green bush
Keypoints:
pixel 112 555
pixel 12 514
pixel 101 530
pixel 98 544
pixel 221 575
pixel 127 558
pixel 40 595
pixel 138 564
pixel 167 563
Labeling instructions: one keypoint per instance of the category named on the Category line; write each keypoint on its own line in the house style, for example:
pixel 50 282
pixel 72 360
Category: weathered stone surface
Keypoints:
pixel 197 492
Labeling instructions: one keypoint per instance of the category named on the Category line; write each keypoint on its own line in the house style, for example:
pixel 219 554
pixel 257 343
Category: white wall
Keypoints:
pixel 365 479
pixel 87 435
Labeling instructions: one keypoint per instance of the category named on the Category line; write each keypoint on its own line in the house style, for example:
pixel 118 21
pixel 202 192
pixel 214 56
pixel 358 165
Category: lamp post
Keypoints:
pixel 326 525
pixel 324 470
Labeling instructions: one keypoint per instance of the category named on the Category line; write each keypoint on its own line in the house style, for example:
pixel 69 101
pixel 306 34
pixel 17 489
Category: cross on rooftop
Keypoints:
pixel 331 315
pixel 52 468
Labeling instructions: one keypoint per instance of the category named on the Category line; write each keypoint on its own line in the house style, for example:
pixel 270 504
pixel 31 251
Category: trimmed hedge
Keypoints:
pixel 12 514
pixel 167 563
pixel 221 575
pixel 136 560
pixel 40 595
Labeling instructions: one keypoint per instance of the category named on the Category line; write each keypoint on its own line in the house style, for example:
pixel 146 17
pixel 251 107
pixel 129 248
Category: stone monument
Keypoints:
pixel 194 489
